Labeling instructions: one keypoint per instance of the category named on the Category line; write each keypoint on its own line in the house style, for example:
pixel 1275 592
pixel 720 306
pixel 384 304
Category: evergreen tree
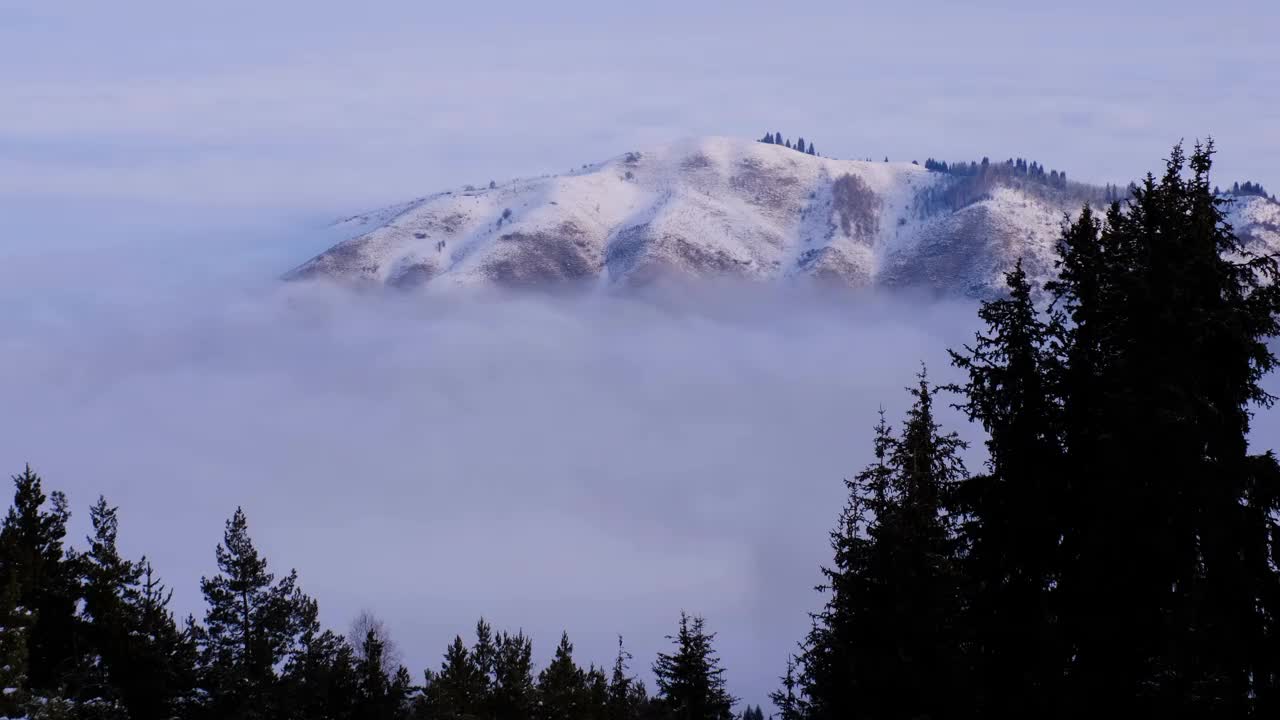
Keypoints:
pixel 377 696
pixel 322 680
pixel 484 656
pixel 111 594
pixel 15 621
pixel 513 691
pixel 787 699
pixel 45 580
pixel 457 690
pixel 596 693
pixel 253 625
pixel 1013 523
pixel 163 680
pixel 811 150
pixel 364 623
pixel 138 659
pixel 562 686
pixel 1167 591
pixel 627 698
pixel 691 683
pixel 887 643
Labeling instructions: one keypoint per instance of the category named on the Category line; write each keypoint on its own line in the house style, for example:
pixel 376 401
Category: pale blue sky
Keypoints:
pixel 336 104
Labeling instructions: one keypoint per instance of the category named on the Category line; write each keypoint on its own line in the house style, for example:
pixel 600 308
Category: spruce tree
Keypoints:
pixel 1012 512
pixel 627 697
pixel 596 693
pixel 787 699
pixel 888 642
pixel 1168 598
pixel 691 684
pixel 562 686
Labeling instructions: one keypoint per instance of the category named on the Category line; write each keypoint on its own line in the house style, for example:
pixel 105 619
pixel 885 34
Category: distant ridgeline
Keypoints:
pixel 976 180
pixel 777 139
pixel 1245 189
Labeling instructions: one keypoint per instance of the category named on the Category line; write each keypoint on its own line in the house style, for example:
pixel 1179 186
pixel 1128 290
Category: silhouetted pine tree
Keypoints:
pixel 1169 579
pixel 15 622
pixel 627 698
pixel 136 656
pixel 562 687
pixel 253 625
pixel 1012 521
pixel 377 696
pixel 321 680
pixel 787 699
pixel 690 681
pixel 513 692
pixel 887 643
pixel 596 695
pixel 45 580
pixel 484 656
pixel 456 691
pixel 110 587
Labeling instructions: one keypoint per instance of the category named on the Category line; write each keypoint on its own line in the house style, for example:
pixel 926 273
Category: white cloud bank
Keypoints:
pixel 594 464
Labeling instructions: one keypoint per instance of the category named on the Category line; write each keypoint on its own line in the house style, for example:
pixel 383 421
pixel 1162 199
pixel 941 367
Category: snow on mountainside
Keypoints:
pixel 1256 221
pixel 720 207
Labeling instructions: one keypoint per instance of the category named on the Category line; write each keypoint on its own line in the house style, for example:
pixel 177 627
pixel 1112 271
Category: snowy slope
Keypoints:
pixel 714 207
pixel 1257 221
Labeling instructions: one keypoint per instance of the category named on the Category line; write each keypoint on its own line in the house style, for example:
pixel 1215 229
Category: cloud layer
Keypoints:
pixel 594 464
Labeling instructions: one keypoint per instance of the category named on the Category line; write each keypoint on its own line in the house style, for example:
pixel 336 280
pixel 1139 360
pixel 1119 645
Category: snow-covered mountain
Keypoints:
pixel 720 207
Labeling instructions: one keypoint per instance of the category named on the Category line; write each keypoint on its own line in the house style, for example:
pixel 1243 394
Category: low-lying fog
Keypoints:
pixel 594 464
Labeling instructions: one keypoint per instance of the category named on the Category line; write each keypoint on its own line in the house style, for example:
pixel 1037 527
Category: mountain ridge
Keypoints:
pixel 728 208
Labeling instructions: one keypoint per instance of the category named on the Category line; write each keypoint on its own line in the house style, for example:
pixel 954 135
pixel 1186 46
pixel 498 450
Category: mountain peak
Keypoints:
pixel 724 207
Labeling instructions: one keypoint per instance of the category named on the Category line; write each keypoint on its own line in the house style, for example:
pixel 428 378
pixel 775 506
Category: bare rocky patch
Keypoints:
pixel 856 208
pixel 529 259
